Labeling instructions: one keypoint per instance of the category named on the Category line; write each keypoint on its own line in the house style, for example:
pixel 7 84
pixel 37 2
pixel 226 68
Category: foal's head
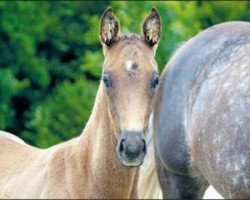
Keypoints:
pixel 129 78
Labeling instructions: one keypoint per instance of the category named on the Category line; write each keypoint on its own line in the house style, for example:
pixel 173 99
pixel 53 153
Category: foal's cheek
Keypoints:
pixel 114 116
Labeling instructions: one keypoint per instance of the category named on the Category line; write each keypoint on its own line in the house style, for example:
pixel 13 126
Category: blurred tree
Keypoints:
pixel 62 115
pixel 180 19
pixel 43 45
pixel 19 63
pixel 213 12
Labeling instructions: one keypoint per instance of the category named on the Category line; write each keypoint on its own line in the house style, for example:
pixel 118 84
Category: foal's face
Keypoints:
pixel 130 78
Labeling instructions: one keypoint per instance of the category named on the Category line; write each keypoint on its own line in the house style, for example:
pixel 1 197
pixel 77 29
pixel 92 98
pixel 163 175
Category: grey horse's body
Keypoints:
pixel 202 115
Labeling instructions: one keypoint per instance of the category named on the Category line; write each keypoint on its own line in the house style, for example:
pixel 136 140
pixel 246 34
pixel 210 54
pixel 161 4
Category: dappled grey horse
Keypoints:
pixel 202 115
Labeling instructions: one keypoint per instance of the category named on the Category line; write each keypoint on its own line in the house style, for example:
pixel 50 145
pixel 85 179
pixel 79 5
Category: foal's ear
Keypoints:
pixel 109 27
pixel 151 28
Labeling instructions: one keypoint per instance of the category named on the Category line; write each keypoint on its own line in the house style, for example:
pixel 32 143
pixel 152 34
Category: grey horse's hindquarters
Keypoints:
pixel 220 121
pixel 202 114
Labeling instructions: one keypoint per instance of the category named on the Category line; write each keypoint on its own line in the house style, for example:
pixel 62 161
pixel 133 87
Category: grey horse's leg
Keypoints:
pixel 177 186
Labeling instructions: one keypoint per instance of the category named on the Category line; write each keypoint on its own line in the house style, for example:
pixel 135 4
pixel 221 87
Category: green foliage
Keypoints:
pixel 51 57
pixel 62 115
pixel 216 12
pixel 9 86
pixel 180 20
pixel 43 49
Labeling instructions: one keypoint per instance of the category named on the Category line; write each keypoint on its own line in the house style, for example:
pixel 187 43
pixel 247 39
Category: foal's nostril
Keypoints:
pixel 121 147
pixel 144 149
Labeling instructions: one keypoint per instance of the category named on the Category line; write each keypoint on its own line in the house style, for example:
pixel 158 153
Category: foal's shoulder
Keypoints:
pixel 12 143
pixel 11 137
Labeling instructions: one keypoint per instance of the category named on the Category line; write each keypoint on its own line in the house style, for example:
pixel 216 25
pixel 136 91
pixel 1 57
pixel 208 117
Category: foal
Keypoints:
pixel 103 162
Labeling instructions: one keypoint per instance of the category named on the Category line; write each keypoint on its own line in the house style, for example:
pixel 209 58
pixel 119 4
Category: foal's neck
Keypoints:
pixel 109 178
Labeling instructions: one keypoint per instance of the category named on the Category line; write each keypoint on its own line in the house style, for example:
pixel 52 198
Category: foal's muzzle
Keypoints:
pixel 131 148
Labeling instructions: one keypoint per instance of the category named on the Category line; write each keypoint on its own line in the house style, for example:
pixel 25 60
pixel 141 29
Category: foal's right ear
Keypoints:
pixel 109 27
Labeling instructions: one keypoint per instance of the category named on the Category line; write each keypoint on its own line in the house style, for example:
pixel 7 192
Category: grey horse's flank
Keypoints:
pixel 202 115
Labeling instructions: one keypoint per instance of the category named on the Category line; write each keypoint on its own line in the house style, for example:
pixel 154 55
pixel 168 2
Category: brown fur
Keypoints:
pixel 87 166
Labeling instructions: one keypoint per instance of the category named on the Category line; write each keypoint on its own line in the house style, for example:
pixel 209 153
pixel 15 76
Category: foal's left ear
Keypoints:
pixel 109 27
pixel 151 28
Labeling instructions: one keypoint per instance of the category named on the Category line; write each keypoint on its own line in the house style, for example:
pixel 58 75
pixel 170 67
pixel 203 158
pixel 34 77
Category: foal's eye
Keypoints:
pixel 106 80
pixel 155 81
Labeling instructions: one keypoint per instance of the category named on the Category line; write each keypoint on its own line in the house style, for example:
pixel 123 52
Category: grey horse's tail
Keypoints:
pixel 148 185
